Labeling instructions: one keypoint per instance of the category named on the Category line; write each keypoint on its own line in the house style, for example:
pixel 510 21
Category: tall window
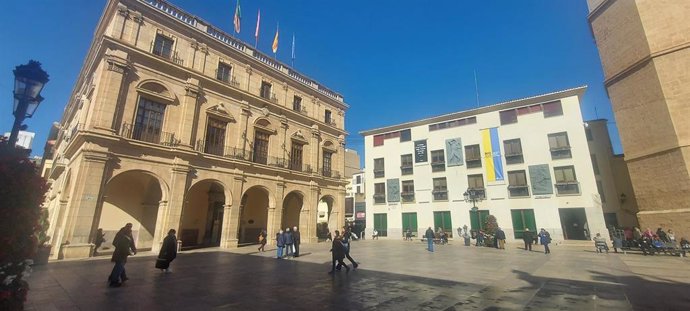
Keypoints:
pixel 162 46
pixel 358 179
pixel 327 117
pixel 559 146
pixel 566 181
pixel 327 156
pixel 149 121
pixel 407 193
pixel 215 137
pixel 473 156
pixel 405 135
pixel 379 170
pixel 517 184
pixel 296 156
pixel 265 90
pixel 261 147
pixel 513 150
pixel 588 133
pixel 440 191
pixel 476 183
pixel 223 72
pixel 380 193
pixel 406 164
pixel 438 161
pixel 508 116
pixel 297 103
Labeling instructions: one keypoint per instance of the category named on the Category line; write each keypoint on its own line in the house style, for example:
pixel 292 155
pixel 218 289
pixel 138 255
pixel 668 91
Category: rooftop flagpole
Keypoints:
pixel 256 32
pixel 274 47
pixel 293 50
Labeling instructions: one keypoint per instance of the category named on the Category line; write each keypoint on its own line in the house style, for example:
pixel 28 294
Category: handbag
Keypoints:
pixel 261 238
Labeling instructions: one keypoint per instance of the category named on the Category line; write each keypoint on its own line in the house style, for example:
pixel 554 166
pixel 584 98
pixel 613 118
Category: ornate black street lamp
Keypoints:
pixel 29 80
pixel 474 196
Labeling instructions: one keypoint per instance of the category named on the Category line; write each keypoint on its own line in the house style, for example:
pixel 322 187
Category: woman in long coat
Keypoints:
pixel 168 252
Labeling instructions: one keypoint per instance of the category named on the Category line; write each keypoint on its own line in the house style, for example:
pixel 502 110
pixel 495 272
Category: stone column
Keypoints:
pixel 313 208
pixel 275 212
pixel 282 138
pixel 138 20
pixel 231 215
pixel 315 148
pixel 171 207
pixel 244 126
pixel 120 21
pixel 109 91
pixel 84 203
pixel 188 108
pixel 158 234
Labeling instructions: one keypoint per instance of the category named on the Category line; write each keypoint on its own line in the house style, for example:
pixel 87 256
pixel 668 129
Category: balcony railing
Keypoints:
pixel 149 134
pixel 246 155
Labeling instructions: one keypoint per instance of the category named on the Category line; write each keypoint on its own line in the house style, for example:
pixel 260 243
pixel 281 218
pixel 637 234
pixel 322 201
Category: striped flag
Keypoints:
pixel 256 32
pixel 275 40
pixel 238 16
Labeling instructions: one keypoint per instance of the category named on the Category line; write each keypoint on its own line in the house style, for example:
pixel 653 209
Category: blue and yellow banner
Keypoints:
pixel 492 154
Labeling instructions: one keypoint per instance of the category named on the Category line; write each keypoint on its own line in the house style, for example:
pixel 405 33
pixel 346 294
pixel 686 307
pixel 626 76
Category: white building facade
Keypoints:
pixel 528 159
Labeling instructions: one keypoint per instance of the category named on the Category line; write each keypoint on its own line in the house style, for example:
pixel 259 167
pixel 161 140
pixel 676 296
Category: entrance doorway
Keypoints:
pixel 253 215
pixel 292 207
pixel 523 218
pixel 574 223
pixel 202 215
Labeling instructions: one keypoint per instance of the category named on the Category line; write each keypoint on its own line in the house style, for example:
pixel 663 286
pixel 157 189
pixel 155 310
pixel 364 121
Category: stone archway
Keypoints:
pixel 324 222
pixel 253 214
pixel 202 215
pixel 132 197
pixel 292 209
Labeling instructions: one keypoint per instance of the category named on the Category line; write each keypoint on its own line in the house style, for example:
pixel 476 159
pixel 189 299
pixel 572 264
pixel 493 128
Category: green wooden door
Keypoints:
pixel 477 219
pixel 381 224
pixel 523 218
pixel 442 220
pixel 409 221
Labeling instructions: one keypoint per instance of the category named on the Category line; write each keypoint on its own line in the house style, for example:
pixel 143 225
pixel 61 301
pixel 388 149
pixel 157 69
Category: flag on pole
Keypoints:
pixel 256 32
pixel 238 16
pixel 293 49
pixel 275 40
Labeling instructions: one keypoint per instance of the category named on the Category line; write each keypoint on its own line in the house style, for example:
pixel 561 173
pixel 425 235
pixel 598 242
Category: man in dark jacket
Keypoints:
pixel 500 239
pixel 338 253
pixel 429 235
pixel 528 237
pixel 124 243
pixel 289 241
pixel 296 240
pixel 345 239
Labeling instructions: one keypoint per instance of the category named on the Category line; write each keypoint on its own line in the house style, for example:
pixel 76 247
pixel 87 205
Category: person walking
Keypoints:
pixel 346 239
pixel 296 240
pixel 545 239
pixel 262 240
pixel 408 234
pixel 501 238
pixel 329 237
pixel 429 235
pixel 280 244
pixel 338 254
pixel 100 238
pixel 124 243
pixel 375 235
pixel 168 252
pixel 289 241
pixel 528 237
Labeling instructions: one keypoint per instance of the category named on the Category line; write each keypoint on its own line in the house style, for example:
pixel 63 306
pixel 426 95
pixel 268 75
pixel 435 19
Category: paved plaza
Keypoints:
pixel 394 275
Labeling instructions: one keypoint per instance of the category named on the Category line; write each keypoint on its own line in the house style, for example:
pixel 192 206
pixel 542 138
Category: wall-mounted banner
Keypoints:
pixel 540 178
pixel 393 187
pixel 420 151
pixel 492 154
pixel 454 152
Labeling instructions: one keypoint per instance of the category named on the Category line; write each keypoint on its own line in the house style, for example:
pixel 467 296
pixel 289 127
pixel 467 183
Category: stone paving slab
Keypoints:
pixel 393 275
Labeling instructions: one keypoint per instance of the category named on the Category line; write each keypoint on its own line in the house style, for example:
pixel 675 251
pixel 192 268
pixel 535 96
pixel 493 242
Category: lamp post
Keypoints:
pixel 29 80
pixel 473 196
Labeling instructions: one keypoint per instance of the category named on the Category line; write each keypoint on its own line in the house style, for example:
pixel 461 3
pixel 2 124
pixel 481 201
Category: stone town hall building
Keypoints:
pixel 173 123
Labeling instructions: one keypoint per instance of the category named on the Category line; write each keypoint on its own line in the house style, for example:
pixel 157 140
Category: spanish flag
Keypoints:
pixel 238 16
pixel 275 40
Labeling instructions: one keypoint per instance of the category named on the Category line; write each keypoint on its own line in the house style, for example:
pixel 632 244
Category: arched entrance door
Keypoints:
pixel 253 215
pixel 202 215
pixel 324 221
pixel 131 197
pixel 292 207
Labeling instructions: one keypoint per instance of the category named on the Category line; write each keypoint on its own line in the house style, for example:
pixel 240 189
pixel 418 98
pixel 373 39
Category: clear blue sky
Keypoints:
pixel 393 60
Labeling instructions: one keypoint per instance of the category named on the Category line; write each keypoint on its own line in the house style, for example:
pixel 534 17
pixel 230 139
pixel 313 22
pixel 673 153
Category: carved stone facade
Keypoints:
pixel 168 129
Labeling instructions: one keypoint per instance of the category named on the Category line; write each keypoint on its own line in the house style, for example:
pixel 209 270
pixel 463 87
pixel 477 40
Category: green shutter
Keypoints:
pixel 409 221
pixel 442 220
pixel 477 221
pixel 523 218
pixel 381 224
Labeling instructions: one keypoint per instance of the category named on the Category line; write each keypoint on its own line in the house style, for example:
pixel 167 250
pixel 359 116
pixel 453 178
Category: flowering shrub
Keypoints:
pixel 21 194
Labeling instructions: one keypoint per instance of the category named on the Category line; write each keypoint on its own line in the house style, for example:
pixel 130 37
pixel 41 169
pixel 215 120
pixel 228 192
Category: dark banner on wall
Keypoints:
pixel 540 177
pixel 420 151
